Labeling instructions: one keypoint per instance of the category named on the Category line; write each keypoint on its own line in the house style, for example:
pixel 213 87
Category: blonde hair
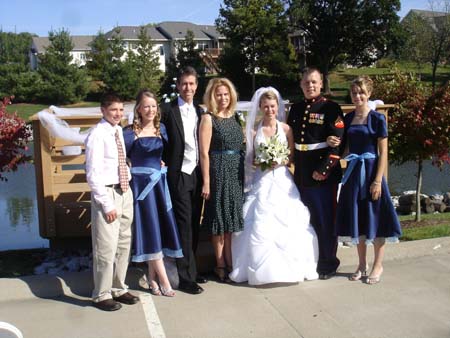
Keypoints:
pixel 137 119
pixel 268 95
pixel 209 99
pixel 364 83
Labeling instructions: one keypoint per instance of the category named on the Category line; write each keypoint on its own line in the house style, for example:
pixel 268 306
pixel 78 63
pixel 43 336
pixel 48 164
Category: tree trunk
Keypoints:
pixel 326 83
pixel 253 81
pixel 433 75
pixel 418 189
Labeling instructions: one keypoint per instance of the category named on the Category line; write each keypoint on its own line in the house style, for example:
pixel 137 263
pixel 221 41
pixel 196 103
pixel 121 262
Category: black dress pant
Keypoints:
pixel 321 202
pixel 186 201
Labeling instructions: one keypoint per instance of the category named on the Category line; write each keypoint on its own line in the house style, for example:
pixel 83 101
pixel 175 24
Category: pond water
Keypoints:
pixel 19 221
pixel 19 225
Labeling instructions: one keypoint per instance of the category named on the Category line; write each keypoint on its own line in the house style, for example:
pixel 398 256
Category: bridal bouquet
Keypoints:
pixel 273 152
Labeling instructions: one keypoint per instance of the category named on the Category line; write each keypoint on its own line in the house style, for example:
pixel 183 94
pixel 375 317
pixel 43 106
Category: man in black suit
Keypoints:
pixel 317 168
pixel 181 118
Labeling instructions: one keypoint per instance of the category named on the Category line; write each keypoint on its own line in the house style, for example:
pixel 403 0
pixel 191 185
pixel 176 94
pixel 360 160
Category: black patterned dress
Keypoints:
pixel 223 210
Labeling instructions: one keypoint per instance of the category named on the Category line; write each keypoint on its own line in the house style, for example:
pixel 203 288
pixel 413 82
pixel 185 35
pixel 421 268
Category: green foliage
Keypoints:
pixel 257 33
pixel 15 74
pixel 98 57
pixel 14 48
pixel 146 61
pixel 120 74
pixel 427 40
pixel 354 32
pixel 187 56
pixel 62 82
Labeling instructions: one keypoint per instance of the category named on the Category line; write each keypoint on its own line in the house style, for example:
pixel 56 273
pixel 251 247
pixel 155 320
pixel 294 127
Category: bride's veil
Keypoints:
pixel 254 116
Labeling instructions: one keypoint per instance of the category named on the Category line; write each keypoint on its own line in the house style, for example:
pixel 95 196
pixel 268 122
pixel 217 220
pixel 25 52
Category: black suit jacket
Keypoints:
pixel 174 151
pixel 313 122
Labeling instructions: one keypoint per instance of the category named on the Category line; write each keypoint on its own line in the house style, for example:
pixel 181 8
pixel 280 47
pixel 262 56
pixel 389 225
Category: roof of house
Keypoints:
pixel 132 32
pixel 435 19
pixel 212 32
pixel 176 30
pixel 80 43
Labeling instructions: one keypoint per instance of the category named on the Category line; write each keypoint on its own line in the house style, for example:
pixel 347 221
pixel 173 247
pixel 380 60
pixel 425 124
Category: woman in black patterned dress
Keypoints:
pixel 221 145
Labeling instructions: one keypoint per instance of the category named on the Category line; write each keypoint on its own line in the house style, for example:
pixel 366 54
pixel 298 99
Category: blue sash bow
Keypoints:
pixel 154 175
pixel 353 160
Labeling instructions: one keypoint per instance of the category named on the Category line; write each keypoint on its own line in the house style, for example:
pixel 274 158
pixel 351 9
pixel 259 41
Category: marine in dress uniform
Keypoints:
pixel 312 121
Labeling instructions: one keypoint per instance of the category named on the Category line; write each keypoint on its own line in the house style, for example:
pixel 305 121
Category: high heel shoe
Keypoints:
pixel 169 292
pixel 222 274
pixel 155 291
pixel 358 274
pixel 372 280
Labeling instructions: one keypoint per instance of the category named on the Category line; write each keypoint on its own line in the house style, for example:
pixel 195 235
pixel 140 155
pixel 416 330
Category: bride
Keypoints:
pixel 277 244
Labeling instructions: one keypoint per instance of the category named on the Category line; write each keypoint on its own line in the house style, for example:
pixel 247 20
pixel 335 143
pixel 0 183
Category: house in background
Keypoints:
pixel 79 52
pixel 130 34
pixel 209 42
pixel 436 20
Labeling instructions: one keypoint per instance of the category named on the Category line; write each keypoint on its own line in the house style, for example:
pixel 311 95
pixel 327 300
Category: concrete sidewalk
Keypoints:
pixel 412 300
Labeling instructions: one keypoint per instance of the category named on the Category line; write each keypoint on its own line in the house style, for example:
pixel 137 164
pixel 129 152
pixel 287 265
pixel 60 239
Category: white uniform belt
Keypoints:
pixel 311 146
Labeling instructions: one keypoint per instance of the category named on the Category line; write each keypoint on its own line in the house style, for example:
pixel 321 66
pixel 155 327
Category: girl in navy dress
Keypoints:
pixel 155 229
pixel 365 211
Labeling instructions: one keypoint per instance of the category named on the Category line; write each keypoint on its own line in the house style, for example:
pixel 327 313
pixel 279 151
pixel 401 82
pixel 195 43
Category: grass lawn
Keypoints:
pixel 430 226
pixel 26 110
pixel 340 79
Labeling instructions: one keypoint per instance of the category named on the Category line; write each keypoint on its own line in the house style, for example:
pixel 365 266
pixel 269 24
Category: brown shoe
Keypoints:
pixel 127 298
pixel 107 305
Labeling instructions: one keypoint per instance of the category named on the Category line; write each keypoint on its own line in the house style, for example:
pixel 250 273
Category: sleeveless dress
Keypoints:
pixel 278 244
pixel 357 216
pixel 155 232
pixel 223 210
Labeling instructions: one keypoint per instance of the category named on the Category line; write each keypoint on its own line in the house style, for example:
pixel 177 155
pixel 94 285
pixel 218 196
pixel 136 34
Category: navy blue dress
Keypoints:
pixel 155 233
pixel 357 215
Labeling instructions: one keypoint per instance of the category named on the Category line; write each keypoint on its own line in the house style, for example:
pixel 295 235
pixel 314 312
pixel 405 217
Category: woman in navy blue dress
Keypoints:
pixel 365 211
pixel 155 229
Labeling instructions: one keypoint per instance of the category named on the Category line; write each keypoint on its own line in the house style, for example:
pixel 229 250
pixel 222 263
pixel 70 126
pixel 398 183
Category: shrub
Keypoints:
pixel 14 137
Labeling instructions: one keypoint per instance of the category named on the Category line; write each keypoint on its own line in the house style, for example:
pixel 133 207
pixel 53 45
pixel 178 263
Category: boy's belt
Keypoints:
pixel 311 146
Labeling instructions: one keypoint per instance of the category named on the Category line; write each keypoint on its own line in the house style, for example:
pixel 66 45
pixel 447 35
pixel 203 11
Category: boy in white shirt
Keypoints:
pixel 111 208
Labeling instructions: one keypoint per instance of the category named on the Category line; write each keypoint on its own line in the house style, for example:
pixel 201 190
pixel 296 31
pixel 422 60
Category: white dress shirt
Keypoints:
pixel 102 162
pixel 190 119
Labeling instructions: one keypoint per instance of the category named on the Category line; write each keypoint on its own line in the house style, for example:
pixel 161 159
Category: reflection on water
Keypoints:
pixel 402 178
pixel 20 211
pixel 19 222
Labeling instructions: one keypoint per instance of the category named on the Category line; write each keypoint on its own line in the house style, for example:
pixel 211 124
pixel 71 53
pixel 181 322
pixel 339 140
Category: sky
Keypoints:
pixel 88 17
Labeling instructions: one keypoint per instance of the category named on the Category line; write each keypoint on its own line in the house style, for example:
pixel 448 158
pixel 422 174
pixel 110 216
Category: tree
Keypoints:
pixel 428 36
pixel 419 125
pixel 99 56
pixel 15 74
pixel 146 61
pixel 186 55
pixel 120 75
pixel 14 136
pixel 62 82
pixel 257 33
pixel 352 31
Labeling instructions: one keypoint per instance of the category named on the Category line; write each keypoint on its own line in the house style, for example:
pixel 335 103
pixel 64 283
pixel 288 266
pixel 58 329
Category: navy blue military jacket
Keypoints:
pixel 312 121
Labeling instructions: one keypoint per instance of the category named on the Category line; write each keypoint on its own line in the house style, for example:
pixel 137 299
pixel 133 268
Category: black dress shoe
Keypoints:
pixel 190 287
pixel 201 280
pixel 127 298
pixel 325 276
pixel 107 305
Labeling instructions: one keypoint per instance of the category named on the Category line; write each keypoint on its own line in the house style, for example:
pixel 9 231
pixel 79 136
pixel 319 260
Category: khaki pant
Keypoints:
pixel 111 244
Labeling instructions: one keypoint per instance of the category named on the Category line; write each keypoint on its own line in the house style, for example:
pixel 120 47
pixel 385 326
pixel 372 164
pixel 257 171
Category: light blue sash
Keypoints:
pixel 352 159
pixel 155 175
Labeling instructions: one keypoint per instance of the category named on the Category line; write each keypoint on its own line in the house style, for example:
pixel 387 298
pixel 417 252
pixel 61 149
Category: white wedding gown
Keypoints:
pixel 277 244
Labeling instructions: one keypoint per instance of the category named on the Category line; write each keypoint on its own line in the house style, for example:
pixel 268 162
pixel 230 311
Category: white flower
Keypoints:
pixel 164 96
pixel 271 153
